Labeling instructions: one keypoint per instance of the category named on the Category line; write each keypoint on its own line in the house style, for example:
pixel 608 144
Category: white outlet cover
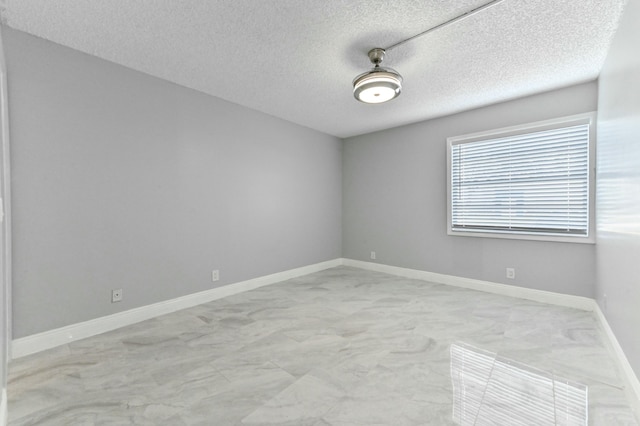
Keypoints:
pixel 116 295
pixel 511 273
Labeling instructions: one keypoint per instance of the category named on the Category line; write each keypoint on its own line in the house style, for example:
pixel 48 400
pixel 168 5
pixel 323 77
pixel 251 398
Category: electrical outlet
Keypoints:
pixel 373 255
pixel 215 275
pixel 116 295
pixel 511 273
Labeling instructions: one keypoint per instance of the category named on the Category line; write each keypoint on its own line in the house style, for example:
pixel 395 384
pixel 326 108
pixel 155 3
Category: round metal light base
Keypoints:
pixel 376 55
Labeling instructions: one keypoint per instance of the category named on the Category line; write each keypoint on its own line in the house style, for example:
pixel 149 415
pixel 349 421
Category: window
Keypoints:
pixel 531 181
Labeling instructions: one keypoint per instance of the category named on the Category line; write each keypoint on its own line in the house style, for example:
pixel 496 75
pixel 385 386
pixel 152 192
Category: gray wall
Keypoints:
pixel 618 190
pixel 4 282
pixel 394 201
pixel 124 180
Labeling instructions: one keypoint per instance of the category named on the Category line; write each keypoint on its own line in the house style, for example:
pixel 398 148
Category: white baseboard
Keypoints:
pixel 542 296
pixel 632 383
pixel 60 336
pixel 3 408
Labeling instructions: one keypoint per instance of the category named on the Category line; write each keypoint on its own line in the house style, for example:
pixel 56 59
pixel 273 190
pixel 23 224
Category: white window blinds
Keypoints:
pixel 527 183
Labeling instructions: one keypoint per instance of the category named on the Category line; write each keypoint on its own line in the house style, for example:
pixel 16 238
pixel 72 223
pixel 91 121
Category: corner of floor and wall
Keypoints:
pixel 260 200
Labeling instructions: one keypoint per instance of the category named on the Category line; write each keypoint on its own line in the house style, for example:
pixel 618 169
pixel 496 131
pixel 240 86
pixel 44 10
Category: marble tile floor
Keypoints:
pixel 339 347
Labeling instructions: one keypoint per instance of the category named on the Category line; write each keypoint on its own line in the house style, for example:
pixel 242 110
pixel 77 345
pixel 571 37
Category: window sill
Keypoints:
pixel 530 237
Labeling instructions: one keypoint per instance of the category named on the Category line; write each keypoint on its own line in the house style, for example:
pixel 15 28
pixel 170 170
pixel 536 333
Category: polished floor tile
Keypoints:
pixel 339 347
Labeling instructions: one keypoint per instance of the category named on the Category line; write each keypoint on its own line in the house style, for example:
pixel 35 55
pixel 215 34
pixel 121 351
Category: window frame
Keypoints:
pixel 585 118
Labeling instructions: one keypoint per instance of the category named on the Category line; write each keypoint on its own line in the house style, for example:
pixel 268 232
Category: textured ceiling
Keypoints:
pixel 296 59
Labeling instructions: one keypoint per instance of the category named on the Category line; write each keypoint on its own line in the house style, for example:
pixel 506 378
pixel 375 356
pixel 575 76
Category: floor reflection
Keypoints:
pixel 491 390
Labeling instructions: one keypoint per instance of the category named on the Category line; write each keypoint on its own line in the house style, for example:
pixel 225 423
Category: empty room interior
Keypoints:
pixel 320 213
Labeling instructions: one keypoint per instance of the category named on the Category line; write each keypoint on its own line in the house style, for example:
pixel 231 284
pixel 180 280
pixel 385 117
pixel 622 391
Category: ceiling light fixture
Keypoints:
pixel 384 84
pixel 378 85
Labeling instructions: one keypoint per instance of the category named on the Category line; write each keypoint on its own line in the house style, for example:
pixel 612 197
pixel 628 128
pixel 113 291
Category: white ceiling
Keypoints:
pixel 296 59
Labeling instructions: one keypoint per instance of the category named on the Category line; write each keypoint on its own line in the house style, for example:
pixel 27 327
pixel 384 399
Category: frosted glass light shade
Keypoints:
pixel 377 86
